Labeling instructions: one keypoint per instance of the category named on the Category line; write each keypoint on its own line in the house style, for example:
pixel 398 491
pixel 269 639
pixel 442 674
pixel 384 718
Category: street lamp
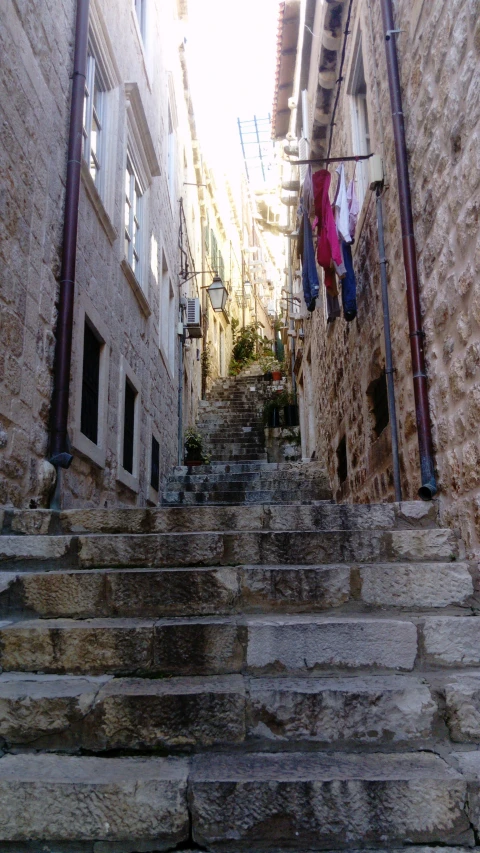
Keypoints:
pixel 247 289
pixel 218 294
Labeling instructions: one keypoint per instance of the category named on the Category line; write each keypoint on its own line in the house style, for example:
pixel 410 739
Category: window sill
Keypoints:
pixel 128 479
pixel 98 204
pixel 137 290
pixel 87 448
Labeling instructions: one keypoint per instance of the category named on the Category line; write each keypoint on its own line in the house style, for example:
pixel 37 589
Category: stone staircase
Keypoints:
pixel 257 676
pixel 231 423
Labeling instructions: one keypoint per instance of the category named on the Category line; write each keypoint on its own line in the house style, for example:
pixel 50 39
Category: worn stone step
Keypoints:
pixel 146 593
pixel 317 802
pixel 96 714
pixel 239 497
pixel 73 713
pixel 260 485
pixel 72 799
pixel 209 645
pixel 324 515
pixel 229 548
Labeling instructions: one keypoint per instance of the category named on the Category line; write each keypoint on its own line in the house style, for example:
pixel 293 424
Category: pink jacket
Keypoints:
pixel 328 247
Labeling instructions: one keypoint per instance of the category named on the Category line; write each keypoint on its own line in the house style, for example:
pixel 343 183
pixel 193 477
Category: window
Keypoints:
pixel 133 219
pixel 171 155
pixel 342 467
pixel 213 251
pixel 167 324
pixel 129 426
pixel 377 393
pixel 206 232
pixel 360 126
pixel 221 267
pixel 90 384
pixel 155 465
pixel 141 13
pixel 93 136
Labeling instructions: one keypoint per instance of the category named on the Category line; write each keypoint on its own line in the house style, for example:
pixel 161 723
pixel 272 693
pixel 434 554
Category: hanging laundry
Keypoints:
pixel 310 280
pixel 333 307
pixel 353 208
pixel 349 285
pixel 329 254
pixel 341 206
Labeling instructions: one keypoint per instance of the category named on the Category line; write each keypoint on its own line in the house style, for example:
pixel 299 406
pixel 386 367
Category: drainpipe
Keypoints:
pixel 59 445
pixel 429 487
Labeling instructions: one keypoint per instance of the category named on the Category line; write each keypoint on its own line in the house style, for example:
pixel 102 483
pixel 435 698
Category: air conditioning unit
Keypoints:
pixel 194 318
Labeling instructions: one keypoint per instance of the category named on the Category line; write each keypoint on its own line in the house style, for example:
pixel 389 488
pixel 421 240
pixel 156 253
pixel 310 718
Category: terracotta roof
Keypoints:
pixel 287 40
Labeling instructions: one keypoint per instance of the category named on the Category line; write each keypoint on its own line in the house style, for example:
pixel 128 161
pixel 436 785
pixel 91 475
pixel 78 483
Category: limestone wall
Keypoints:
pixel 142 76
pixel 439 50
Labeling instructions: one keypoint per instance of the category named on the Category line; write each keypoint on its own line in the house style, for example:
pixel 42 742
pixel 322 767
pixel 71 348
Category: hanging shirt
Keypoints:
pixel 349 285
pixel 353 209
pixel 341 207
pixel 310 281
pixel 329 252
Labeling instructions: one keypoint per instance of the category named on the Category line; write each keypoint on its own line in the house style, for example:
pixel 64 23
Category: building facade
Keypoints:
pixel 137 159
pixel 341 365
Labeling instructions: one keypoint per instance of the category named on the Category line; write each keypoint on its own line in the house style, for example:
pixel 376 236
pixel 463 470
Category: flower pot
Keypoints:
pixel 190 462
pixel 276 375
pixel 273 419
pixel 290 415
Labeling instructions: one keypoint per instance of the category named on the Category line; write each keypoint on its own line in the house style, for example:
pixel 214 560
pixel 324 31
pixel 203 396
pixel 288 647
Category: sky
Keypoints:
pixel 231 50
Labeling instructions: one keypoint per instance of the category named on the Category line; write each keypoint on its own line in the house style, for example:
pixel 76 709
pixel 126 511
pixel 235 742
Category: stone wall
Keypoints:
pixel 439 50
pixel 147 76
pixel 36 44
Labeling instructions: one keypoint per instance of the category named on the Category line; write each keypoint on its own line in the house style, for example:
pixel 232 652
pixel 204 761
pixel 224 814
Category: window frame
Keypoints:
pixel 131 479
pixel 87 313
pixel 359 119
pixel 134 233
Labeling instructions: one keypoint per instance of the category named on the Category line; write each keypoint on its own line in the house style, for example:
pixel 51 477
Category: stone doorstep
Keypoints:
pixel 154 593
pixel 96 714
pixel 295 800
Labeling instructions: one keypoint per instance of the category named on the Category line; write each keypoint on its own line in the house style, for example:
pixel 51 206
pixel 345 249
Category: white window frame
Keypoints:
pixel 140 156
pixel 131 480
pixel 140 8
pixel 95 452
pixel 359 120
pixel 133 228
pixel 167 322
pixel 101 66
pixel 94 115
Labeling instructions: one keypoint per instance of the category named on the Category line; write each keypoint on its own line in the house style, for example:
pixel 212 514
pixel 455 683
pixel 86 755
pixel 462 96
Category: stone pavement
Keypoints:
pixel 245 677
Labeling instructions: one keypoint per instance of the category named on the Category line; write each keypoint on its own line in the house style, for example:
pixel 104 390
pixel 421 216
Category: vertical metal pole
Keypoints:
pixel 59 450
pixel 180 394
pixel 388 349
pixel 425 445
pixel 291 321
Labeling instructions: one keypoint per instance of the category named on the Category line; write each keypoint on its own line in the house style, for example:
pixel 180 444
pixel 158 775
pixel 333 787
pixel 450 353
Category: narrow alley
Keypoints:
pixel 239 407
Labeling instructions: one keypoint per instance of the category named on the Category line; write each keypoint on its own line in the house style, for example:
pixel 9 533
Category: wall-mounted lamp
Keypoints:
pixel 218 294
pixel 247 289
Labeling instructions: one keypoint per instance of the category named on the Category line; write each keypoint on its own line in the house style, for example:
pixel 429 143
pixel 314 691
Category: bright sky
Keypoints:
pixel 231 49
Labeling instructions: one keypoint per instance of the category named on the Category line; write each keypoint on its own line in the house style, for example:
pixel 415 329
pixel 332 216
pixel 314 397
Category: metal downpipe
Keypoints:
pixel 429 487
pixel 59 447
pixel 388 349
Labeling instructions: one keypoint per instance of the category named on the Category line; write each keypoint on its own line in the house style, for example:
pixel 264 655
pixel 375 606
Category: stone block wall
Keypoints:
pixel 439 52
pixel 37 47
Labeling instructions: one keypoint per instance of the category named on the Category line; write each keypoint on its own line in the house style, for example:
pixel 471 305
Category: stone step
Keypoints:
pixel 145 593
pixel 263 477
pixel 260 547
pixel 311 490
pixel 258 802
pixel 214 645
pixel 324 515
pixel 66 713
pixel 238 457
pixel 140 802
pixel 321 801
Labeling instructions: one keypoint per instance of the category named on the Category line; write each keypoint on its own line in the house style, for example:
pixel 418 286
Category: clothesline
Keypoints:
pixel 330 160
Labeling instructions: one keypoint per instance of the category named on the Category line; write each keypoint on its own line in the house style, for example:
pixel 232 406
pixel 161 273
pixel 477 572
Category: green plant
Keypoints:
pixel 193 443
pixel 269 405
pixel 206 361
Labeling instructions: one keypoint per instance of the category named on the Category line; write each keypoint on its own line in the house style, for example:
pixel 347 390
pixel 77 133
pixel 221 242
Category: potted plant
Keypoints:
pixel 193 443
pixel 287 401
pixel 271 413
